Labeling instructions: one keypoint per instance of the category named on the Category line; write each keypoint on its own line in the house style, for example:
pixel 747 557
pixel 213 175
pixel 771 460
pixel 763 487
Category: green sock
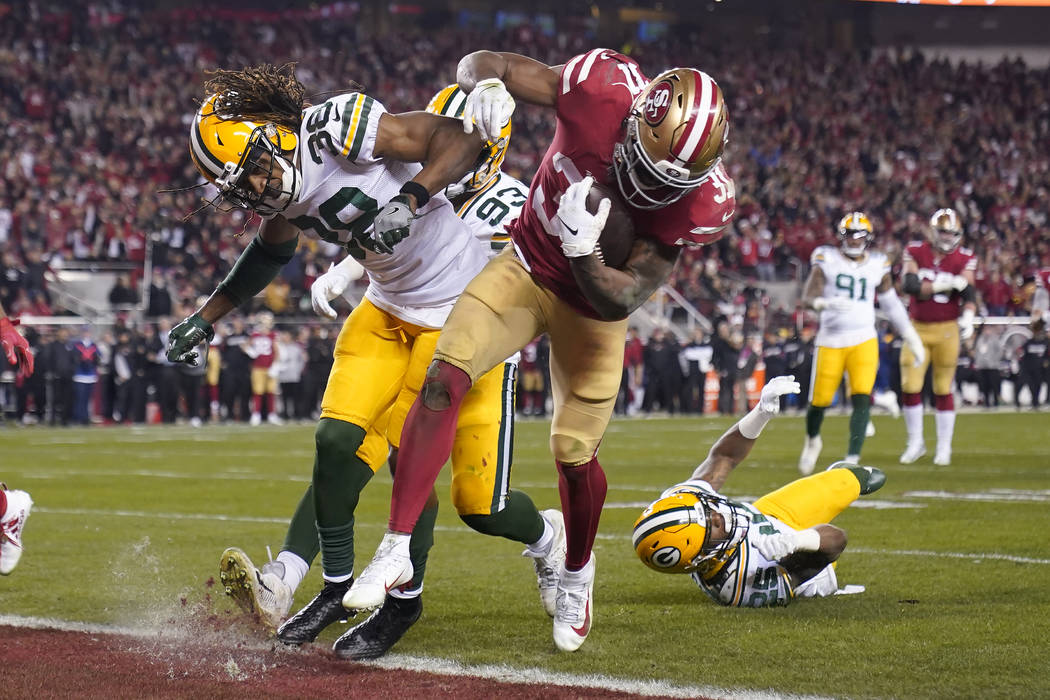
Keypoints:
pixel 814 417
pixel 301 538
pixel 858 422
pixel 421 542
pixel 519 520
pixel 339 477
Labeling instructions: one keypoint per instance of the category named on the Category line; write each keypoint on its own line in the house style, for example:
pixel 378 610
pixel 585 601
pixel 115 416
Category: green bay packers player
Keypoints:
pixel 842 286
pixel 761 554
pixel 324 169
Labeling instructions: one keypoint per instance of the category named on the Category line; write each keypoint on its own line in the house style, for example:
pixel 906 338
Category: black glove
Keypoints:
pixel 392 224
pixel 187 335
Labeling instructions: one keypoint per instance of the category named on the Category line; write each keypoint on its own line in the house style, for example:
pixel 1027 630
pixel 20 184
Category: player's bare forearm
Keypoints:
pixel 613 293
pixel 437 142
pixel 730 450
pixel 525 78
pixel 813 287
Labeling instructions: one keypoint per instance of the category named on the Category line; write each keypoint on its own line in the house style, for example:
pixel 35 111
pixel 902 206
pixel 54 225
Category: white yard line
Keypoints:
pixel 450 667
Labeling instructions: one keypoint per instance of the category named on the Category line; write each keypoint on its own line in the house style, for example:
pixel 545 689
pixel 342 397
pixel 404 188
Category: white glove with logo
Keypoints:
pixel 489 107
pixel 966 324
pixel 579 229
pixel 769 401
pixel 333 283
pixel 911 338
pixel 832 304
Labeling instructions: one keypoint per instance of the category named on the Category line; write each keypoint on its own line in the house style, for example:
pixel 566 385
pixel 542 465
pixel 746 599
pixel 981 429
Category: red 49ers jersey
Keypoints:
pixel 262 345
pixel 596 92
pixel 943 306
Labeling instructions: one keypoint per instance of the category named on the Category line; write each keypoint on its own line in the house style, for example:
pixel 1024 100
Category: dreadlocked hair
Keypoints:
pixel 264 93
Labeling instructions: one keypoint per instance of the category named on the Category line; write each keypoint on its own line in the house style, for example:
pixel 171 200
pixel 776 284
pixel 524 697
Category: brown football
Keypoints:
pixel 617 239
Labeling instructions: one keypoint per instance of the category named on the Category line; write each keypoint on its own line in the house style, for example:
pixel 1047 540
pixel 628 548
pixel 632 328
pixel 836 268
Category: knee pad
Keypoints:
pixel 444 386
pixel 571 451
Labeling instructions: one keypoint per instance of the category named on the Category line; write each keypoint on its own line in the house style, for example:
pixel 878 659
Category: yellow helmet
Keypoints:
pixel 449 102
pixel 677 130
pixel 673 535
pixel 226 151
pixel 855 233
pixel 946 231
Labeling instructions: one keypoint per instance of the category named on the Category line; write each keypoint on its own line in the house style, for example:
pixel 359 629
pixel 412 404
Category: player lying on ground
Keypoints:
pixel 759 554
pixel 14 510
pixel 659 143
pixel 324 169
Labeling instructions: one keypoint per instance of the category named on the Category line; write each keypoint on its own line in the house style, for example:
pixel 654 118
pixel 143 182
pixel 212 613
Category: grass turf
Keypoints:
pixel 130 521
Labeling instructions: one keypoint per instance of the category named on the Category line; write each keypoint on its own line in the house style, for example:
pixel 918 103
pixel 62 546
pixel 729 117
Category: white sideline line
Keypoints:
pixel 991 496
pixel 463 529
pixel 449 667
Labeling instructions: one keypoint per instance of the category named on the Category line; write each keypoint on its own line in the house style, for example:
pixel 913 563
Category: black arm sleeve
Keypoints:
pixel 258 265
pixel 911 285
pixel 969 294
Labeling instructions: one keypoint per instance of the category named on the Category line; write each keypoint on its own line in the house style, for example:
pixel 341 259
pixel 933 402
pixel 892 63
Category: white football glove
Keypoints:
pixel 579 229
pixel 333 283
pixel 776 547
pixel 489 107
pixel 769 401
pixel 943 282
pixel 911 338
pixel 966 324
pixel 960 283
pixel 832 304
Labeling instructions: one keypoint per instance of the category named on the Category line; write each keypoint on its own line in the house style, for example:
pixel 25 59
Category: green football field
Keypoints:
pixel 129 522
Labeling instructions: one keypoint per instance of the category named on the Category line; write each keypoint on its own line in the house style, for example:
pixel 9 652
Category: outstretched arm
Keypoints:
pixel 525 78
pixel 736 443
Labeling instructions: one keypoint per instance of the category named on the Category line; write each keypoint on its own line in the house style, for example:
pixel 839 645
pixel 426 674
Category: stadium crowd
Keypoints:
pixel 95 100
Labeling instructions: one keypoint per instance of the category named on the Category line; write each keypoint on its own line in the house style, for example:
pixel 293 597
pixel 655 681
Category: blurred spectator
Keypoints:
pixel 696 359
pixel 1035 358
pixel 726 346
pixel 532 396
pixel 121 294
pixel 291 360
pixel 663 373
pixel 86 358
pixel 59 365
pixel 632 383
pixel 318 364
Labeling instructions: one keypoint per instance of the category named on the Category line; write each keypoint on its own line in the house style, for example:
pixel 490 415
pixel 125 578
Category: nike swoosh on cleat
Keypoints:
pixel 583 629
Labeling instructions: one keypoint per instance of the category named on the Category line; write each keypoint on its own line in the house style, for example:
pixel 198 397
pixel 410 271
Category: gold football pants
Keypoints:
pixel 501 310
pixel 941 340
pixel 379 368
pixel 860 362
pixel 812 500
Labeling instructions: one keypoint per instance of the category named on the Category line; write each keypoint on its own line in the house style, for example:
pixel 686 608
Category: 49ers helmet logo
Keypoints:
pixel 658 102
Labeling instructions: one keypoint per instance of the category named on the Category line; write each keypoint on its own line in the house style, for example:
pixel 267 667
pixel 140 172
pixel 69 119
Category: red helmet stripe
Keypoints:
pixel 701 120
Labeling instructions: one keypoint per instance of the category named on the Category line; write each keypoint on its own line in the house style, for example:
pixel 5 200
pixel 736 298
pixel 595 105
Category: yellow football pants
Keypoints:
pixel 812 500
pixel 860 362
pixel 501 310
pixel 941 340
pixel 379 368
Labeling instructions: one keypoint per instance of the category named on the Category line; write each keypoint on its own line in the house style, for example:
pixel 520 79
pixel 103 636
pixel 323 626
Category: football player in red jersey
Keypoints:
pixel 660 143
pixel 939 275
pixel 14 346
pixel 262 348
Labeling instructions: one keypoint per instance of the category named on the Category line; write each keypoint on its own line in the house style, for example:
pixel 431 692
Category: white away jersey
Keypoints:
pixel 856 281
pixel 489 210
pixel 743 577
pixel 344 187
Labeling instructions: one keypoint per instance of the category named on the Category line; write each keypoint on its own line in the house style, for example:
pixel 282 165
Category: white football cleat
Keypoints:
pixel 256 419
pixel 913 452
pixel 810 454
pixel 390 567
pixel 870 430
pixel 274 419
pixel 12 520
pixel 548 564
pixel 851 459
pixel 263 593
pixel 574 612
pixel 943 456
pixel 887 400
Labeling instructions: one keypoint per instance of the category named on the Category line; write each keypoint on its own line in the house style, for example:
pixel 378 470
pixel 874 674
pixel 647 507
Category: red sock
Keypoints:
pixel 944 402
pixel 426 443
pixel 213 393
pixel 911 399
pixel 582 488
pixel 256 403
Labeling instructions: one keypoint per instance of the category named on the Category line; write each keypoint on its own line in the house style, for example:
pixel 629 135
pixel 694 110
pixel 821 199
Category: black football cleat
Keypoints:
pixel 325 609
pixel 374 637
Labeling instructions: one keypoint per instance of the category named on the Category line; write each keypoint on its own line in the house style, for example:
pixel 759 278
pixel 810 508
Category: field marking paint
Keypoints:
pixel 990 496
pixel 464 530
pixel 872 504
pixel 449 667
pixel 154 474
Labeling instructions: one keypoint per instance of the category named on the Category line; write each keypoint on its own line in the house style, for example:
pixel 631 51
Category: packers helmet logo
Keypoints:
pixel 658 103
pixel 666 557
